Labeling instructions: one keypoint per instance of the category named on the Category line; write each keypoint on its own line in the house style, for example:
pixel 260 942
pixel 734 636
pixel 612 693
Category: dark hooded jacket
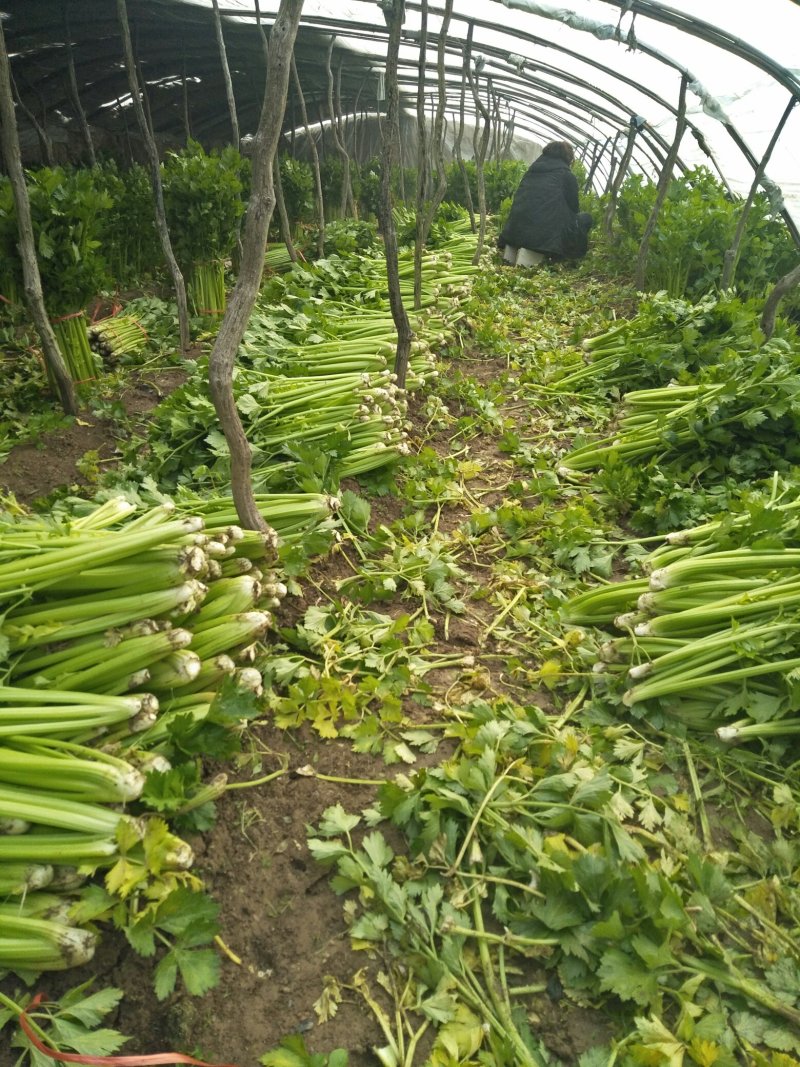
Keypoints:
pixel 545 211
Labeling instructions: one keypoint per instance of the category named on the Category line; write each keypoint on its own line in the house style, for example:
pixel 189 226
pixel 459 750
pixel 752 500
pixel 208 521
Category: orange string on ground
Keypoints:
pixel 105 1061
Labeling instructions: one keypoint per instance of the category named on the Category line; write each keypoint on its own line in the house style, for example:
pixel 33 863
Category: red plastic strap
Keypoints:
pixel 105 1061
pixel 5 299
pixel 211 311
pixel 63 318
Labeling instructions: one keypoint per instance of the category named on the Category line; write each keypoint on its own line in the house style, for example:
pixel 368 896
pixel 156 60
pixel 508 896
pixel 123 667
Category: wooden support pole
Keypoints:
pixel 76 96
pixel 616 182
pixel 422 154
pixel 187 126
pixel 782 287
pixel 461 119
pixel 664 179
pixel 145 129
pixel 312 151
pixel 44 141
pixel 346 195
pixel 596 157
pixel 393 12
pixel 254 243
pixel 437 143
pixel 226 75
pixel 280 203
pixel 480 142
pixel 32 282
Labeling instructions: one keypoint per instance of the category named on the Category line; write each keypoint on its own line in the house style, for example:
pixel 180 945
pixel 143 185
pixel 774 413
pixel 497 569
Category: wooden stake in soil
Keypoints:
pixel 27 247
pixel 732 254
pixel 155 177
pixel 394 13
pixel 254 243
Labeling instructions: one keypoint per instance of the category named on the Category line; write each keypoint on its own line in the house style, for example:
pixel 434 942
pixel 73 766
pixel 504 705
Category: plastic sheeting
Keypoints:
pixel 571 40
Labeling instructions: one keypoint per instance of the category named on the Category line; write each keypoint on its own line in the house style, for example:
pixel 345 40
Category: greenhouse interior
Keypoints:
pixel 399 533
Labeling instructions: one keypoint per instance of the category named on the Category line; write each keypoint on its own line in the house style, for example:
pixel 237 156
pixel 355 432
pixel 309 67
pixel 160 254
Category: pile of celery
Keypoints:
pixel 120 335
pixel 746 403
pixel 112 623
pixel 712 635
pixel 668 338
pixel 315 367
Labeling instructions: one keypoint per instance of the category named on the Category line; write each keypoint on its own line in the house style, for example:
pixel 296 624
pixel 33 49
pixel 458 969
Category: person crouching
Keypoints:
pixel 545 220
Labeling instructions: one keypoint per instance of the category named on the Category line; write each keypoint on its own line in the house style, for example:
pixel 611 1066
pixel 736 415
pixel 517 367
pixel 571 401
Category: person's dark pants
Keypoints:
pixel 576 239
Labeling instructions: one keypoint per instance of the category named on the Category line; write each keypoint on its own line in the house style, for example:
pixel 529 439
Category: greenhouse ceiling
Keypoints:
pixel 549 71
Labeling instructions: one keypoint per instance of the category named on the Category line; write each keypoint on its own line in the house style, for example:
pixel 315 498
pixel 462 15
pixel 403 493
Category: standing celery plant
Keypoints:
pixel 66 212
pixel 203 201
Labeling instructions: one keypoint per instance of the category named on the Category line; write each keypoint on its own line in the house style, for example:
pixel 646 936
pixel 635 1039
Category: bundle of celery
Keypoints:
pixel 314 370
pixel 714 632
pixel 359 416
pixel 291 516
pixel 104 604
pixel 118 336
pixel 744 411
pixel 59 819
pixel 108 617
pixel 668 338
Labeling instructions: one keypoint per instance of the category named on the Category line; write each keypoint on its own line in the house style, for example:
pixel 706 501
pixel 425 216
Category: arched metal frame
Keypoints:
pixel 548 98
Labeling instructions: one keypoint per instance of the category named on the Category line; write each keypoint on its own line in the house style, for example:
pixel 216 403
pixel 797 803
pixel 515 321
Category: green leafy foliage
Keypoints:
pixel 67 212
pixel 128 231
pixel 501 181
pixel 70 1024
pixel 292 1052
pixel 696 226
pixel 203 201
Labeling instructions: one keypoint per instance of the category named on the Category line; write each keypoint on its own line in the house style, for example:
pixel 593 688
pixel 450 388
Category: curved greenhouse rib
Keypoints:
pixel 712 34
pixel 522 99
pixel 606 31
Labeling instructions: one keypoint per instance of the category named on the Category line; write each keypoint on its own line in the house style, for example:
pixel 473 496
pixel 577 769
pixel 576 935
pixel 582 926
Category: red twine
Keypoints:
pixel 63 318
pixel 105 1061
